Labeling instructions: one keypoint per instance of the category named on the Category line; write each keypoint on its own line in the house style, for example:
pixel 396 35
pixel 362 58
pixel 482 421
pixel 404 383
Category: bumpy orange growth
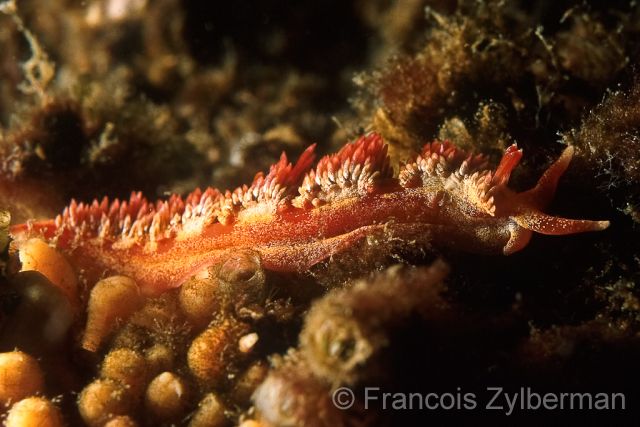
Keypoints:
pixel 37 255
pixel 111 300
pixel 20 377
pixel 296 216
pixel 34 412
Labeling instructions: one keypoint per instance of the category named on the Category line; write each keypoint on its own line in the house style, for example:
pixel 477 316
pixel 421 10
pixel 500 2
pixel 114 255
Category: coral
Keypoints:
pixel 213 353
pixel 34 412
pixel 210 413
pixel 166 397
pixel 21 376
pixel 111 300
pixel 121 421
pixel 102 400
pixel 127 367
pixel 156 361
pixel 159 358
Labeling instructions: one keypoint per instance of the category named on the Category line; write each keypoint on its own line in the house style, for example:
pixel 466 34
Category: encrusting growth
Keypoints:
pixel 296 216
pixel 34 412
pixel 20 377
pixel 345 331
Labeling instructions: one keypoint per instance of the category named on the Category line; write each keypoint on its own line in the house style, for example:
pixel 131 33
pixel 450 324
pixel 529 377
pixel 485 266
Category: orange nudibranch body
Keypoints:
pixel 296 216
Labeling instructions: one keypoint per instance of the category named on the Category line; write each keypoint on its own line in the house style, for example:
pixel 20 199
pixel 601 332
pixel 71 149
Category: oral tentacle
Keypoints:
pixel 541 195
pixel 557 226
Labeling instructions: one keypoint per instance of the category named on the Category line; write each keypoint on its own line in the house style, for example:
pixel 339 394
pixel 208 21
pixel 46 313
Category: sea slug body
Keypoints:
pixel 297 215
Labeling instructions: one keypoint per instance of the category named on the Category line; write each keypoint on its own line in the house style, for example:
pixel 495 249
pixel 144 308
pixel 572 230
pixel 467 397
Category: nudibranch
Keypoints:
pixel 297 215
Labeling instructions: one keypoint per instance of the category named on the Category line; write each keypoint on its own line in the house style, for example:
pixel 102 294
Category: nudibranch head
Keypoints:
pixel 482 196
pixel 525 209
